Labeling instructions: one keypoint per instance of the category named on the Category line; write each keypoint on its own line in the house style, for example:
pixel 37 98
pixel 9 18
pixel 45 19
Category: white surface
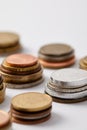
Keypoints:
pixel 39 22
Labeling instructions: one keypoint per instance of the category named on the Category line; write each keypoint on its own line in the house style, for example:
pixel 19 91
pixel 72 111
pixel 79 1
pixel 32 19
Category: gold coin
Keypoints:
pixel 8 39
pixel 31 102
pixel 11 49
pixel 82 65
pixel 21 78
pixel 8 67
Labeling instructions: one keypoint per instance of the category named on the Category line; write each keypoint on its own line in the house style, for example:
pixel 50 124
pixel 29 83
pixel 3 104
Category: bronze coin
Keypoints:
pixel 26 122
pixel 8 39
pixel 56 49
pixel 24 85
pixel 56 58
pixel 30 115
pixel 32 71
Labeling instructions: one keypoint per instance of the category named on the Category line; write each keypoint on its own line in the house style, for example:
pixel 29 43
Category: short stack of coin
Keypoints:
pixel 31 108
pixel 9 42
pixel 83 63
pixel 21 71
pixel 56 55
pixel 2 90
pixel 68 85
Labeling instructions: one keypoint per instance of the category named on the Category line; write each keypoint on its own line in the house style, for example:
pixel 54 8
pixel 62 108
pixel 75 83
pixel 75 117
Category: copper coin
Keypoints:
pixel 56 49
pixel 4 118
pixel 30 115
pixel 57 64
pixel 21 60
pixel 37 121
pixel 56 58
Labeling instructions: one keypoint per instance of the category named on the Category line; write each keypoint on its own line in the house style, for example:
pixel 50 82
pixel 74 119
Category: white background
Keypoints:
pixel 43 21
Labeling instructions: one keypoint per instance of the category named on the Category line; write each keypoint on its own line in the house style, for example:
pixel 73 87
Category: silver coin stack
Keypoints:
pixel 68 85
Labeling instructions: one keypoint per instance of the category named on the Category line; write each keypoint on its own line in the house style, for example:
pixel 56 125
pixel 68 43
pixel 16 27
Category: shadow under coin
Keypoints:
pixel 54 120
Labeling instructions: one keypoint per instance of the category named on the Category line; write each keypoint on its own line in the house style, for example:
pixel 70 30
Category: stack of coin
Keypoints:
pixel 31 108
pixel 56 55
pixel 5 121
pixel 9 42
pixel 68 85
pixel 2 90
pixel 21 71
pixel 83 63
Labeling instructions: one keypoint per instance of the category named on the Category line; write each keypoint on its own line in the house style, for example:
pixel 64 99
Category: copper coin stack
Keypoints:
pixel 21 71
pixel 31 108
pixel 56 55
pixel 2 90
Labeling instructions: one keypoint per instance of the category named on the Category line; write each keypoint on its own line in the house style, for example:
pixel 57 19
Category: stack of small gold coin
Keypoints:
pixel 31 108
pixel 21 71
pixel 2 90
pixel 9 42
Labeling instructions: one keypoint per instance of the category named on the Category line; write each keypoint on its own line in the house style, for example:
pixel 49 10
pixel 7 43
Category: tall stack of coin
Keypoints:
pixel 9 42
pixel 2 90
pixel 31 108
pixel 83 63
pixel 56 55
pixel 68 85
pixel 21 71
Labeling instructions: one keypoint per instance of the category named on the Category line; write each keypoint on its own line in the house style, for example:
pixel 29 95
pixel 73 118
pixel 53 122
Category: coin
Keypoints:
pixel 21 60
pixel 8 39
pixel 4 118
pixel 56 49
pixel 31 102
pixel 66 95
pixel 69 78
pixel 57 64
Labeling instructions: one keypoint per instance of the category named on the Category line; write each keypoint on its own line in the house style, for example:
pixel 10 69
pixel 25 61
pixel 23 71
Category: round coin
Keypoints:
pixel 31 102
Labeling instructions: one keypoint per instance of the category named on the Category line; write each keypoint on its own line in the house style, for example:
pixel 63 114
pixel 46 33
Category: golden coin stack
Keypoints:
pixel 21 71
pixel 31 108
pixel 9 42
pixel 83 63
pixel 2 90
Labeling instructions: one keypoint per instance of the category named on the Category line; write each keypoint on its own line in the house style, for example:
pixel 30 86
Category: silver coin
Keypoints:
pixel 69 78
pixel 26 85
pixel 30 118
pixel 56 58
pixel 66 90
pixel 66 95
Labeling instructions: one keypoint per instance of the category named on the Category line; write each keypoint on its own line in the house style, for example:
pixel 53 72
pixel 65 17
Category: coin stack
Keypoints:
pixel 21 71
pixel 68 85
pixel 56 55
pixel 31 108
pixel 2 90
pixel 9 42
pixel 83 63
